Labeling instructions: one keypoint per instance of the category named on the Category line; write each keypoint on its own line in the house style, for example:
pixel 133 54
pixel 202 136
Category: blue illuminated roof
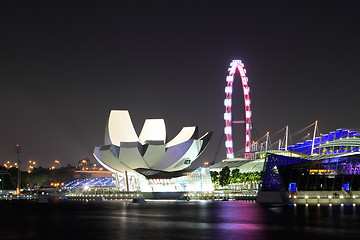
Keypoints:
pixel 305 147
pixel 94 182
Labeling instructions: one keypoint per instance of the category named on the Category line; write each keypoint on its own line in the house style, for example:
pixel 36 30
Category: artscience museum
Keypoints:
pixel 148 163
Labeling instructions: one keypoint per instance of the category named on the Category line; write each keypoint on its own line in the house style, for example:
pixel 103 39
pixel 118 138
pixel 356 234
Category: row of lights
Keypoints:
pixel 57 184
pixel 354 204
pixel 306 196
pixel 32 165
pixel 94 199
pixel 161 181
pixel 105 195
pixel 329 197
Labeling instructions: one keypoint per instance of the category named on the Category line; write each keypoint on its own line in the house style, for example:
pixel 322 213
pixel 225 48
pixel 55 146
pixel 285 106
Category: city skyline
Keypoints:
pixel 65 66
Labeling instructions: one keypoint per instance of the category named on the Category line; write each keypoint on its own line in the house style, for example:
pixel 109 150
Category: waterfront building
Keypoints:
pixel 147 162
pixel 326 165
pixel 333 166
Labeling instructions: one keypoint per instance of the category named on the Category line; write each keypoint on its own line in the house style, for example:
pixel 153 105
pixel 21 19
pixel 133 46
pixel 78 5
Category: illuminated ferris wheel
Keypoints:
pixel 237 65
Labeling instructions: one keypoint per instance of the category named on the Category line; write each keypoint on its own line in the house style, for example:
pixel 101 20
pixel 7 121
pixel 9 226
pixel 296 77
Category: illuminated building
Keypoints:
pixel 330 162
pixel 84 164
pixel 146 162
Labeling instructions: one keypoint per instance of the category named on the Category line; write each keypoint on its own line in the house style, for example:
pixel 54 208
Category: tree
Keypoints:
pixel 61 175
pixel 235 175
pixel 224 178
pixel 214 177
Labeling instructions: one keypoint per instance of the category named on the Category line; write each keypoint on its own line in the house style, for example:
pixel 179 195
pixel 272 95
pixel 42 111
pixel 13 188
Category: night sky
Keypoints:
pixel 65 65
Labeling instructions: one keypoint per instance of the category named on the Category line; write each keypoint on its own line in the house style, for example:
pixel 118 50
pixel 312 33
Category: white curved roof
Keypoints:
pixel 109 161
pixel 130 156
pixel 184 135
pixel 244 165
pixel 153 154
pixel 154 130
pixel 253 166
pixel 173 154
pixel 120 127
pixel 190 154
pixel 203 136
pixel 125 150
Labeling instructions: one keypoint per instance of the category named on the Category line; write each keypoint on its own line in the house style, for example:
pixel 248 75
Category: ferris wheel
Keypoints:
pixel 237 65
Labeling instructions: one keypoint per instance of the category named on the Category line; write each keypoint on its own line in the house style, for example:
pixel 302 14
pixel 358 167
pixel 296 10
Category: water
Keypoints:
pixel 175 220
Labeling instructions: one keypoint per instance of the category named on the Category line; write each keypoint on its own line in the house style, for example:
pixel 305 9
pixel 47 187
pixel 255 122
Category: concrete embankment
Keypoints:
pixel 325 197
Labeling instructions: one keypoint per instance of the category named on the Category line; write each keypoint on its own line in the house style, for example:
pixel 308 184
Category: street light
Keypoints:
pixel 57 163
pixel 18 151
pixel 2 180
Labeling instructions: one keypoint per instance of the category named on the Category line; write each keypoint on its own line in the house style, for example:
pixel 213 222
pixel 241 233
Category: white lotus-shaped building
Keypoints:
pixel 148 154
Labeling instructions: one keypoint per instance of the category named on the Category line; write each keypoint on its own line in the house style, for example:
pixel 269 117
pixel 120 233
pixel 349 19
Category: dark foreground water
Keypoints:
pixel 175 220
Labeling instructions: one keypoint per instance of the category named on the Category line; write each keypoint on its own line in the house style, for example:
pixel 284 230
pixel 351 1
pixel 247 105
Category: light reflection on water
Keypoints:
pixel 175 220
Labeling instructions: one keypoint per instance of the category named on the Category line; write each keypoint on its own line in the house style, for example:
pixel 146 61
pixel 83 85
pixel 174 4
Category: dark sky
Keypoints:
pixel 65 65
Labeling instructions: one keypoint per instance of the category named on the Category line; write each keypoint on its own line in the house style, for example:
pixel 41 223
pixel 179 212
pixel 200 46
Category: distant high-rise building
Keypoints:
pixel 84 164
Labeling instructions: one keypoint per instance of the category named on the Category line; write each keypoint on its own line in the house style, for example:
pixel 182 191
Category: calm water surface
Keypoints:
pixel 175 220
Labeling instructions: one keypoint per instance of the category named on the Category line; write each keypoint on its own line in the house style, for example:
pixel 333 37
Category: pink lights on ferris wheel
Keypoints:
pixel 237 65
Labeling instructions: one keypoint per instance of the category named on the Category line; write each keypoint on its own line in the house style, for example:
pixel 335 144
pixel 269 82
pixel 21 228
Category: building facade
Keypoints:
pixel 147 160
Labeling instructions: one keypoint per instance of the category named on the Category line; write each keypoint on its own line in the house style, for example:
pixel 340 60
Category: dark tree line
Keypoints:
pixel 42 177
